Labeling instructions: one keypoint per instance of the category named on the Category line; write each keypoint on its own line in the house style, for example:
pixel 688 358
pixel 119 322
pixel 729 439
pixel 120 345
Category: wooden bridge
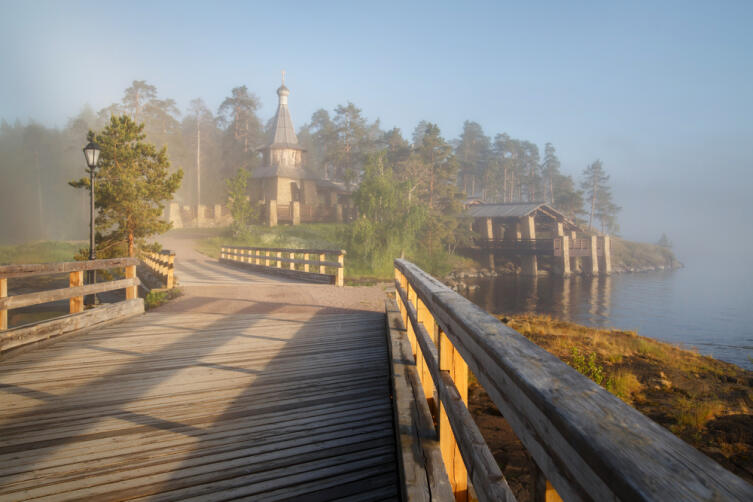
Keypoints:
pixel 257 387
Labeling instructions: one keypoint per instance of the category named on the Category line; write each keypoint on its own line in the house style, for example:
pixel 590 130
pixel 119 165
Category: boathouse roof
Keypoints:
pixel 515 210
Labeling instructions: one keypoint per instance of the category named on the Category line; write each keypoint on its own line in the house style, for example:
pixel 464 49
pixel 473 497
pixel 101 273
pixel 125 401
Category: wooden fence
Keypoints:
pixel 77 318
pixel 586 442
pixel 307 264
pixel 162 265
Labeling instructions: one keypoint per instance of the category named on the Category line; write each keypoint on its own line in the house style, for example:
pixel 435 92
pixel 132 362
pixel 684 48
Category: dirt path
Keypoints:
pixel 212 287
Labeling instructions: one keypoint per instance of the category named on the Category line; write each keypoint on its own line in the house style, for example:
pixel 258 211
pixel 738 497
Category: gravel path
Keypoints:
pixel 211 287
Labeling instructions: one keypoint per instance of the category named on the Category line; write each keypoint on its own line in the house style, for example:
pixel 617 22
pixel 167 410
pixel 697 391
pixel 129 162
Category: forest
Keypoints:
pixel 427 176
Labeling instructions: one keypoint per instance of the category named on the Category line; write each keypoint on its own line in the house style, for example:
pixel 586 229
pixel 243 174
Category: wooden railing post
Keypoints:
pixel 424 317
pixel 341 269
pixel 451 361
pixel 322 258
pixel 266 258
pixel 305 265
pixel 76 303
pixel 292 263
pixel 279 262
pixel 3 312
pixel 170 283
pixel 131 291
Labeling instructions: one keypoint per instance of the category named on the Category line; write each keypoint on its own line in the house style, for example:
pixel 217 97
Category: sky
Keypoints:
pixel 661 92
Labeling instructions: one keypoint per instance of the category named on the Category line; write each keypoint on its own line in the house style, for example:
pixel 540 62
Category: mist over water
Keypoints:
pixel 704 306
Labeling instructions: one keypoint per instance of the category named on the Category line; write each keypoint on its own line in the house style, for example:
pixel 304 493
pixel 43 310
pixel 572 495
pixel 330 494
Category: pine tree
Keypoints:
pixel 132 183
pixel 599 197
pixel 550 169
pixel 238 201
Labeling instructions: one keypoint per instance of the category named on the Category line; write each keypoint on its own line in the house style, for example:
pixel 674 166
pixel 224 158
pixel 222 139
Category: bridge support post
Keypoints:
pixel 3 312
pixel 76 303
pixel 594 256
pixel 451 361
pixel 563 265
pixel 528 230
pixel 606 257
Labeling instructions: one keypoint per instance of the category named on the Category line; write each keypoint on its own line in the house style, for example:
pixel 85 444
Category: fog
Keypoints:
pixel 661 95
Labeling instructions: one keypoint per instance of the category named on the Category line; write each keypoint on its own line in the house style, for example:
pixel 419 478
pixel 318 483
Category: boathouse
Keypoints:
pixel 533 230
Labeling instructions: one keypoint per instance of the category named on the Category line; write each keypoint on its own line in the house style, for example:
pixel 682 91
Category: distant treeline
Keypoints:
pixel 36 162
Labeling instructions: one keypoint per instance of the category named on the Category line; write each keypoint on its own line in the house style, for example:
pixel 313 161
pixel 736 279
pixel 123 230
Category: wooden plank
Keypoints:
pixel 28 270
pixel 291 406
pixel 588 443
pixel 25 335
pixel 52 295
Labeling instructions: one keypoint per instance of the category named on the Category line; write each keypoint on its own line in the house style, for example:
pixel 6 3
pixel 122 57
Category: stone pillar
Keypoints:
pixel 217 212
pixel 529 262
pixel 606 258
pixel 272 213
pixel 594 256
pixel 489 230
pixel 173 215
pixel 575 265
pixel 201 211
pixel 564 260
pixel 295 208
pixel 339 213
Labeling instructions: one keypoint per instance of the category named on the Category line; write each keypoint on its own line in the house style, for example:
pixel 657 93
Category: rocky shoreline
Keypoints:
pixel 458 279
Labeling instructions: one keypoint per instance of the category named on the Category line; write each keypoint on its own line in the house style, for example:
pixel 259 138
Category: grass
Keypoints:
pixel 705 402
pixel 322 236
pixel 156 298
pixel 40 252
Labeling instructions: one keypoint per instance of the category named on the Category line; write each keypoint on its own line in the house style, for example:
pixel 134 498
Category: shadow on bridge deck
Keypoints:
pixel 207 397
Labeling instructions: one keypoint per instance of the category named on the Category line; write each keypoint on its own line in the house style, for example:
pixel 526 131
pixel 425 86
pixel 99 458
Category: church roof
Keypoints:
pixel 283 132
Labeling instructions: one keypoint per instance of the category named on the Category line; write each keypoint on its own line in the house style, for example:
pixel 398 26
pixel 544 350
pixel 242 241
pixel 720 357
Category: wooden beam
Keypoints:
pixel 18 301
pixel 25 335
pixel 7 271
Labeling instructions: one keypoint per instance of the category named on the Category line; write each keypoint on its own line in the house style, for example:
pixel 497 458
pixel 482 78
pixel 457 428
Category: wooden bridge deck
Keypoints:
pixel 173 406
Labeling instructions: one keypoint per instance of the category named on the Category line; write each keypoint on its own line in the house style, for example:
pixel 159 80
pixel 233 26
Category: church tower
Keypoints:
pixel 284 185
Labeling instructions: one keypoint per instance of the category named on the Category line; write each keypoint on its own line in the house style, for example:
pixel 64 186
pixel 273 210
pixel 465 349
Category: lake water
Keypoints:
pixel 696 307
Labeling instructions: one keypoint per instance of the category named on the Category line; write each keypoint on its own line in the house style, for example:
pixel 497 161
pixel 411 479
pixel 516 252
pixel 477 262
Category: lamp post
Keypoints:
pixel 91 154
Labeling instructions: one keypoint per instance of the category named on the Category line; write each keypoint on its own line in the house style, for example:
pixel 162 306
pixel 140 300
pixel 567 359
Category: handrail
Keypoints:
pixel 272 260
pixel 161 263
pixel 76 290
pixel 589 444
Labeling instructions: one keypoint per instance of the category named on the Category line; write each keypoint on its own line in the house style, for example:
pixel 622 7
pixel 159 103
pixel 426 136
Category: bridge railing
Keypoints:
pixel 317 265
pixel 78 318
pixel 161 264
pixel 587 443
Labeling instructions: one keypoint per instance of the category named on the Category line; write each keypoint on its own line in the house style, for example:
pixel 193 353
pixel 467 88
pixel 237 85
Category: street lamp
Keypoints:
pixel 91 154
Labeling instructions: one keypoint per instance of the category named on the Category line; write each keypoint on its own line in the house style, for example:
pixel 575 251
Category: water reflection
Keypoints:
pixel 566 298
pixel 684 307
